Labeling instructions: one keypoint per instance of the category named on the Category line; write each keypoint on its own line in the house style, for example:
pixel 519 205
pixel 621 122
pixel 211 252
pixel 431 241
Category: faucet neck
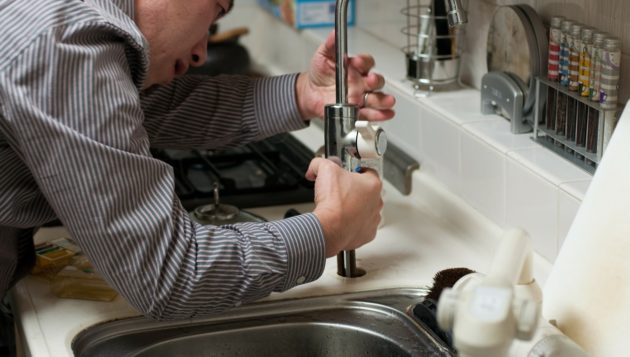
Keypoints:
pixel 341 49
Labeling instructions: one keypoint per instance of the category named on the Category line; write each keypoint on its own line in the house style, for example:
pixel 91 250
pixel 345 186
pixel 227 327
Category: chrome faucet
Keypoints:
pixel 347 139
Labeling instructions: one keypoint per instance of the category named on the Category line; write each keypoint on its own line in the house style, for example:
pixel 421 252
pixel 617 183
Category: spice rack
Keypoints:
pixel 571 125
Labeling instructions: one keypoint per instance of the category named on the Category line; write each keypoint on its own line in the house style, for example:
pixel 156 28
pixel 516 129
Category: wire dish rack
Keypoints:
pixel 432 52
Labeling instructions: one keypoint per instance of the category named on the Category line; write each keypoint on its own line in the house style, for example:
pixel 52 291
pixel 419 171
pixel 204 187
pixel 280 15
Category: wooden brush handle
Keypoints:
pixel 228 35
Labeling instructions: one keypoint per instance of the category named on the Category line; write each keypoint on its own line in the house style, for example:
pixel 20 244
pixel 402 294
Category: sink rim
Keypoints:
pixel 393 304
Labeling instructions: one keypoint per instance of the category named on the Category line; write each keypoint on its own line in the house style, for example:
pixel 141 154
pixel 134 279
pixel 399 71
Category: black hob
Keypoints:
pixel 266 173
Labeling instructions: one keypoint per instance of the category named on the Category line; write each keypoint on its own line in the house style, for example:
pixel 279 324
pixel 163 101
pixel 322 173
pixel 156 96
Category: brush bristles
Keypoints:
pixel 446 279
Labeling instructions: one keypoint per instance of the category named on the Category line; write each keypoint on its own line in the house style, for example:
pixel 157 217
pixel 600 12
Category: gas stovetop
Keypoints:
pixel 266 173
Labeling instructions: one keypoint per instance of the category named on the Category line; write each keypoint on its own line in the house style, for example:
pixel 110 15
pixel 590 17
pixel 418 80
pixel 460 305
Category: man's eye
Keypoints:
pixel 222 13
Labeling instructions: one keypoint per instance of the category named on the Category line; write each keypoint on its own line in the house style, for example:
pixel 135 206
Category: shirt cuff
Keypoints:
pixel 306 255
pixel 276 105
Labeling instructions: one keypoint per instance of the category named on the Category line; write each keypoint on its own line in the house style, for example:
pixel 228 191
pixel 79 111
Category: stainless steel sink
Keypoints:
pixel 358 324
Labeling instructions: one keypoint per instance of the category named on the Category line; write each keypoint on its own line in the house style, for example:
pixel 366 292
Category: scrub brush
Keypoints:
pixel 426 310
pixel 445 279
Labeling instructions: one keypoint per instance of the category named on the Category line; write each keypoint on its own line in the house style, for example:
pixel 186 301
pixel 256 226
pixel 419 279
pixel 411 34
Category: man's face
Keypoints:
pixel 177 31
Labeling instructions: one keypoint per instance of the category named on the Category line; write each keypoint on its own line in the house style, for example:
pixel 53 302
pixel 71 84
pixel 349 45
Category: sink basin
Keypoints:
pixel 372 323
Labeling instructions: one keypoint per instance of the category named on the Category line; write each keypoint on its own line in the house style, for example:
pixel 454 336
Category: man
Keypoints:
pixel 86 87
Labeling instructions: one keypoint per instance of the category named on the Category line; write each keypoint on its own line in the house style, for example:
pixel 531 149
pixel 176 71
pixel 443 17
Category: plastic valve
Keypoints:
pixel 447 305
pixel 526 312
pixel 371 140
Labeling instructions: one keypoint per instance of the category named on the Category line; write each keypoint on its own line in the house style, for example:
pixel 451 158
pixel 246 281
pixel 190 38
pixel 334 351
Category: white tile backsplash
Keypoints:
pixel 496 132
pixel 532 204
pixel 568 206
pixel 441 146
pixel 406 126
pixel 554 168
pixel 483 178
pixel 577 189
pixel 461 106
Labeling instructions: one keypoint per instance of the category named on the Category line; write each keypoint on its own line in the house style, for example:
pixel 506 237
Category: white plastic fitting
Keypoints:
pixel 487 313
pixel 371 140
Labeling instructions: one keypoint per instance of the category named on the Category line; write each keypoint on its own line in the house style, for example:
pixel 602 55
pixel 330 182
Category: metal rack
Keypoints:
pixel 426 68
pixel 573 126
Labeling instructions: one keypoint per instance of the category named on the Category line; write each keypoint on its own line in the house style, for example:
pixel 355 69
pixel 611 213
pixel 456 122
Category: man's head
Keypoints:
pixel 177 31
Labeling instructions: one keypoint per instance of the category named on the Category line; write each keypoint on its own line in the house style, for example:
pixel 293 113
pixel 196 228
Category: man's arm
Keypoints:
pixel 78 126
pixel 210 112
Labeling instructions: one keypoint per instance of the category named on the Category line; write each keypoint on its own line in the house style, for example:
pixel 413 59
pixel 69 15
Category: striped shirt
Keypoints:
pixel 75 132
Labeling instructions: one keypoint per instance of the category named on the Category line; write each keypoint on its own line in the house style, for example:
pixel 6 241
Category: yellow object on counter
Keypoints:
pixel 73 283
pixel 51 258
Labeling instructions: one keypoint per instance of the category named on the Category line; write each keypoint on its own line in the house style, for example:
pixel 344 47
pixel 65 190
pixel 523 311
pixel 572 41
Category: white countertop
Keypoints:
pixel 423 233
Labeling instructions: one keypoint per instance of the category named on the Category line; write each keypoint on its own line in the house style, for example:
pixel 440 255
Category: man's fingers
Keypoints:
pixel 376 114
pixel 316 165
pixel 313 169
pixel 363 63
pixel 367 171
pixel 379 101
pixel 329 46
pixel 374 81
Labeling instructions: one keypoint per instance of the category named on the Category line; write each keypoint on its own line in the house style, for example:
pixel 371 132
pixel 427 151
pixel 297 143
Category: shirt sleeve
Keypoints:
pixel 77 123
pixel 221 111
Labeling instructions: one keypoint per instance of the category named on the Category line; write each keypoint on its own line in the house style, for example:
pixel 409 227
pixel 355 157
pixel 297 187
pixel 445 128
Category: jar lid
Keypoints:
pixel 566 25
pixel 598 38
pixel 556 21
pixel 612 43
pixel 575 30
pixel 587 34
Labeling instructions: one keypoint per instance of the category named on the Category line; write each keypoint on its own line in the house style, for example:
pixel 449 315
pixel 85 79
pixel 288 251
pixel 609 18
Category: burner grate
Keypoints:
pixel 266 173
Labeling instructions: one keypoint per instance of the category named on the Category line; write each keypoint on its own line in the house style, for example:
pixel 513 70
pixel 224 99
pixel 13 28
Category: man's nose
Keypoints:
pixel 199 53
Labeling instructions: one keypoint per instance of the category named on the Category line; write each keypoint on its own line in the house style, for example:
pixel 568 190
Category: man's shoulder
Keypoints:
pixel 23 22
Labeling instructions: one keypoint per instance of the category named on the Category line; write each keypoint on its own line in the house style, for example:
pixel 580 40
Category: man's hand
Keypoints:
pixel 316 88
pixel 347 204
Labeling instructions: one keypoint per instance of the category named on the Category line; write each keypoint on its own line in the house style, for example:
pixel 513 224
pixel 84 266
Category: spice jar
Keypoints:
pixel 609 77
pixel 555 37
pixel 586 54
pixel 596 64
pixel 562 99
pixel 575 47
pixel 565 29
pixel 553 69
pixel 592 130
pixel 609 84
